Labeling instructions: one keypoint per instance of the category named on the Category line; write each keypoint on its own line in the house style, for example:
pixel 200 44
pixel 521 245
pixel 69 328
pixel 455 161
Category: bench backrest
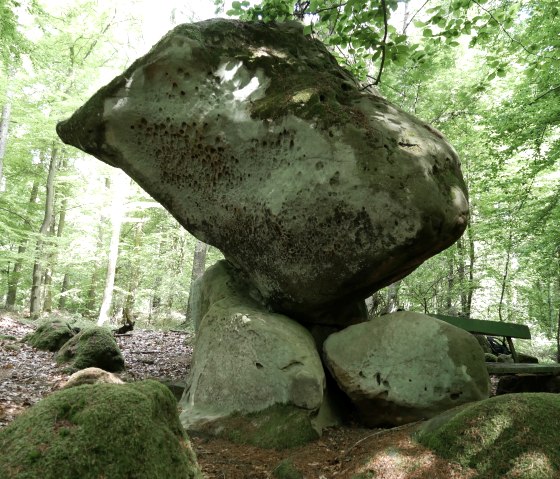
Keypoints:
pixel 488 328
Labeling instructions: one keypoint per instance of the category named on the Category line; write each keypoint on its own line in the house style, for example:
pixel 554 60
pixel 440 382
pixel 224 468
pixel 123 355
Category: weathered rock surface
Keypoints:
pixel 405 366
pixel 92 347
pixel 258 143
pixel 256 377
pixel 101 430
pixel 91 376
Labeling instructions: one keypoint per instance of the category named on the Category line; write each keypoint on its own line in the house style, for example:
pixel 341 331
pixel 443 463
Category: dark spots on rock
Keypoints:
pixel 346 86
pixel 455 396
pixel 378 378
pixel 331 134
pixel 385 383
pixel 319 165
pixel 174 85
pixel 259 365
pixel 183 93
pixel 335 179
pixel 361 374
pixel 132 127
pixel 291 143
pixel 322 98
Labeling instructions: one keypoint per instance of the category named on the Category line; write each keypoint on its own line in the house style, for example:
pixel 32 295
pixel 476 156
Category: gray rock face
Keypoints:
pixel 247 361
pixel 404 367
pixel 258 143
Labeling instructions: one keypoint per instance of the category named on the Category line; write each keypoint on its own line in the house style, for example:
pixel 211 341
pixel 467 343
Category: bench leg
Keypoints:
pixel 512 349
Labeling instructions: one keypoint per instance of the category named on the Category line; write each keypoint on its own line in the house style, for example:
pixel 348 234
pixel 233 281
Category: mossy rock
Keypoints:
pixel 515 435
pixel 102 430
pixel 281 426
pixel 51 335
pixel 92 347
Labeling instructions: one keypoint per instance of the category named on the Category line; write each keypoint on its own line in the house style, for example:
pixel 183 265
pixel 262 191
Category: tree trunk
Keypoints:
pixel 35 303
pixel 120 188
pixel 505 278
pixel 4 122
pixel 199 266
pixel 63 290
pixel 13 279
pixel 450 284
pixel 392 297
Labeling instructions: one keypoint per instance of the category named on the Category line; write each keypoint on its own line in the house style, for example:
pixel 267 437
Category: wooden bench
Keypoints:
pixel 505 330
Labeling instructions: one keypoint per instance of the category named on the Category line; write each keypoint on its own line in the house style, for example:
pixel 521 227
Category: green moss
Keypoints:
pixel 286 470
pixel 51 335
pixel 101 430
pixel 277 427
pixel 92 347
pixel 7 337
pixel 514 435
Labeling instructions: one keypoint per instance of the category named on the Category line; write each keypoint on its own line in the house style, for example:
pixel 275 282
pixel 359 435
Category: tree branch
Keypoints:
pixel 414 16
pixel 544 94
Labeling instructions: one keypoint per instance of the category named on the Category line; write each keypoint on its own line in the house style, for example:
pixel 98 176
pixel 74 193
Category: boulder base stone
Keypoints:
pixel 252 372
pixel 99 431
pixel 91 376
pixel 259 143
pixel 404 367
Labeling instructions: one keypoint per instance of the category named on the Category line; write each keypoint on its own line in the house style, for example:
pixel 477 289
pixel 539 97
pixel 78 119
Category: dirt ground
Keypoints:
pixel 27 375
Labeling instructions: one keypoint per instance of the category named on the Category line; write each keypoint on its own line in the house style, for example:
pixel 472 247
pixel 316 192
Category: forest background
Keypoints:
pixel 78 236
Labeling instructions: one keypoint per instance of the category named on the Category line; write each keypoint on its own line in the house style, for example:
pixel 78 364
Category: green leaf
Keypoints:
pixel 308 29
pixel 427 32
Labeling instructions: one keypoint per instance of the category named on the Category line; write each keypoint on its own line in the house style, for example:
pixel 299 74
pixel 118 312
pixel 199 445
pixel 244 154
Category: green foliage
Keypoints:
pixel 101 430
pixel 492 436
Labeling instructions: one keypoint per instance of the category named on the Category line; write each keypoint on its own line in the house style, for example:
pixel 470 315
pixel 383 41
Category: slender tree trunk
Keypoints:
pixel 4 123
pixel 468 309
pixel 120 188
pixel 35 303
pixel 450 284
pixel 392 297
pixel 13 279
pixel 199 266
pixel 505 278
pixel 63 291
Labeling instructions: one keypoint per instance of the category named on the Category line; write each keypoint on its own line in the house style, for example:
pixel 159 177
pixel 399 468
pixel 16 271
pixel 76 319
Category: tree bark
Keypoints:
pixel 63 290
pixel 13 279
pixel 120 188
pixel 505 277
pixel 199 266
pixel 4 123
pixel 392 297
pixel 35 303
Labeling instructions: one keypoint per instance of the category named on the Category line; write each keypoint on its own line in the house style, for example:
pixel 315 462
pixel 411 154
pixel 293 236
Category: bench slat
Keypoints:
pixel 517 368
pixel 490 328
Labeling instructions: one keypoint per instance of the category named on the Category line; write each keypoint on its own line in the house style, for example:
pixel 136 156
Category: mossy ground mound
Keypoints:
pixel 92 347
pixel 101 430
pixel 51 335
pixel 511 436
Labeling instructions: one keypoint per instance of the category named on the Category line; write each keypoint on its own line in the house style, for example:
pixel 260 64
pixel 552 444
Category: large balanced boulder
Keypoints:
pixel 255 139
pixel 92 347
pixel 511 436
pixel 256 377
pixel 403 367
pixel 102 430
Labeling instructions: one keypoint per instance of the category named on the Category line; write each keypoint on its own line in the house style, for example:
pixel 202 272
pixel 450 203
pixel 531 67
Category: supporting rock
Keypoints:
pixel 403 367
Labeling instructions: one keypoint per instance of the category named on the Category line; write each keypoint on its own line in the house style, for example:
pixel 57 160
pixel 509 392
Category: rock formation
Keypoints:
pixel 404 367
pixel 259 143
pixel 251 362
pixel 318 192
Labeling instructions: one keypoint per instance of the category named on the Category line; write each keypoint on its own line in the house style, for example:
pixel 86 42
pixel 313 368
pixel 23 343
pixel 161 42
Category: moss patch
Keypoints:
pixel 286 470
pixel 51 335
pixel 101 430
pixel 515 435
pixel 280 426
pixel 92 347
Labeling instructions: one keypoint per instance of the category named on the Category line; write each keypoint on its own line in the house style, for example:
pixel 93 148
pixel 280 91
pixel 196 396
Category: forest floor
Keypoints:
pixel 27 375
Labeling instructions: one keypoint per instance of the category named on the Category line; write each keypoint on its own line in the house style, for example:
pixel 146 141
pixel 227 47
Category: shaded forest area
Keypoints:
pixel 77 236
